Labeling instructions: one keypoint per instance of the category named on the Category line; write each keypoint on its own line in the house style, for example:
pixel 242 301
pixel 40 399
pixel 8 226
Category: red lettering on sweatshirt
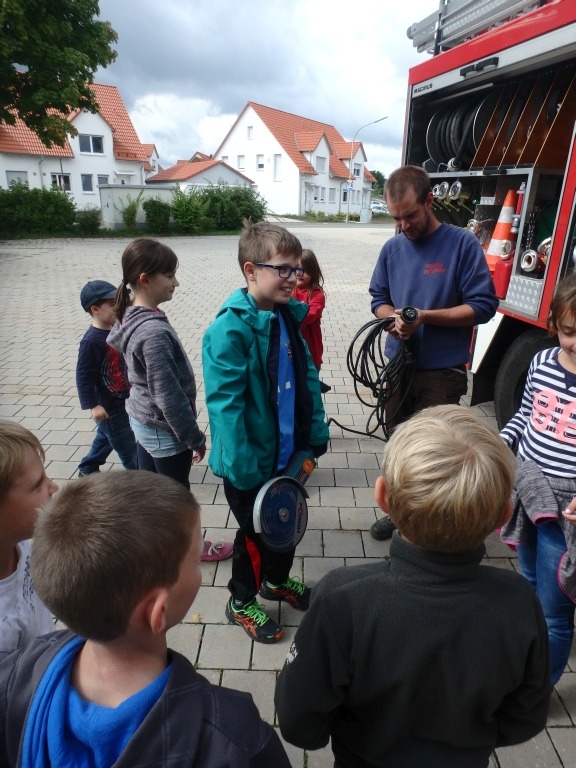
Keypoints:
pixel 550 414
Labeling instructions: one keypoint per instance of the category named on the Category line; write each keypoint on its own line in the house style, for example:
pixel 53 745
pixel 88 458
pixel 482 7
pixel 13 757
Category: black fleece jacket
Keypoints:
pixel 427 659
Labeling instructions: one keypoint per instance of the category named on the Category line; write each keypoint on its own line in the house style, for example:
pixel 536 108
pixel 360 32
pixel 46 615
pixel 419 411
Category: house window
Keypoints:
pixel 316 192
pixel 321 164
pixel 344 195
pixel 94 144
pixel 332 195
pixel 260 162
pixel 14 176
pixel 277 167
pixel 87 183
pixel 250 132
pixel 322 194
pixel 241 162
pixel 357 169
pixel 102 180
pixel 61 181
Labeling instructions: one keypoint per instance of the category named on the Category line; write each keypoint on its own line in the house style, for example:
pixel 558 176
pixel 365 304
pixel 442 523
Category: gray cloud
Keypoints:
pixel 206 58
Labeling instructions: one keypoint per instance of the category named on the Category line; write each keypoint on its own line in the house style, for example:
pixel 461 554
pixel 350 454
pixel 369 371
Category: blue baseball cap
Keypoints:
pixel 95 291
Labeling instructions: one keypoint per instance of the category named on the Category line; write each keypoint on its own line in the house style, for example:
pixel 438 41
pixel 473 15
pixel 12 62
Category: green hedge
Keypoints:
pixel 35 211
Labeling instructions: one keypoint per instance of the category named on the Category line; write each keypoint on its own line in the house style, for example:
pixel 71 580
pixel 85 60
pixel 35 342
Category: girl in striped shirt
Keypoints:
pixel 543 434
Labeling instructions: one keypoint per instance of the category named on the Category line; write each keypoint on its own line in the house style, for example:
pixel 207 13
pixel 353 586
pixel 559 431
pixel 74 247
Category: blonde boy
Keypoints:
pixel 428 658
pixel 117 558
pixel 24 488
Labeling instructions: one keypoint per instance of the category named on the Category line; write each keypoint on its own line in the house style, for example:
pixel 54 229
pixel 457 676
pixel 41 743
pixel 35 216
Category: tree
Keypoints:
pixel 49 52
pixel 380 181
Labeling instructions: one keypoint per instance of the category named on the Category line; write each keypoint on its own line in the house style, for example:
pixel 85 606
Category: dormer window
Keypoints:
pixel 92 144
pixel 321 164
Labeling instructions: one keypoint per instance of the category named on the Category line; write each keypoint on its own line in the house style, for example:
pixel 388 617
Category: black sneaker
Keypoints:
pixel 293 591
pixel 382 529
pixel 254 621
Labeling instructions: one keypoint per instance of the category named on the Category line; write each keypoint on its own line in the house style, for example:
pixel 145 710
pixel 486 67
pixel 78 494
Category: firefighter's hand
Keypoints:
pixel 570 512
pixel 402 329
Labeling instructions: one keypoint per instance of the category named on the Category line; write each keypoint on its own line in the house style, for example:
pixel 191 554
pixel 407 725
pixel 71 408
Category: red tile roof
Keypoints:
pixel 111 108
pixel 184 170
pixel 298 134
pixel 18 139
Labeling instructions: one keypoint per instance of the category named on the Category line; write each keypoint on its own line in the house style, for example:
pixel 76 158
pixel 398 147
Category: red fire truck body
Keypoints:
pixel 491 116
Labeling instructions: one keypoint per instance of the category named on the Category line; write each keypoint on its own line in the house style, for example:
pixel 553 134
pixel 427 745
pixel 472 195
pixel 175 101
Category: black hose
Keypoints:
pixel 383 377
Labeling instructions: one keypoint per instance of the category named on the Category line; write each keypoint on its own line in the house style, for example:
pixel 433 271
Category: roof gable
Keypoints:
pixel 285 127
pixel 19 139
pixel 183 171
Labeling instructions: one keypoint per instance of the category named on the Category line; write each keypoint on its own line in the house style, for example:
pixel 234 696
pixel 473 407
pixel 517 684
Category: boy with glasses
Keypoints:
pixel 264 403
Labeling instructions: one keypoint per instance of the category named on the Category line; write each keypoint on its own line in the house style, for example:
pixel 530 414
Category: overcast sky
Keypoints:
pixel 186 68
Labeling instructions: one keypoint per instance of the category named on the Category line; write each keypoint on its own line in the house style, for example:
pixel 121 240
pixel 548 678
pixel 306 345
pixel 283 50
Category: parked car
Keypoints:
pixel 378 206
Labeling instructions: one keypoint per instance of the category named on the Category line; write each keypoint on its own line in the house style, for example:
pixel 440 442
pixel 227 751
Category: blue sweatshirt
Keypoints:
pixel 445 270
pixel 100 372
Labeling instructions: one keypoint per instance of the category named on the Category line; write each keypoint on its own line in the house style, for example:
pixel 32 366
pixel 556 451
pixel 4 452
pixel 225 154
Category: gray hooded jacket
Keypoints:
pixel 162 384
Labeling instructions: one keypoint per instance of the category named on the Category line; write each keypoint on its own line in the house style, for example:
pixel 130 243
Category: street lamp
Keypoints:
pixel 350 174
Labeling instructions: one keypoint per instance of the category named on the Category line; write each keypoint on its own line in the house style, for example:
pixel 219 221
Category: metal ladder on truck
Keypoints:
pixel 459 20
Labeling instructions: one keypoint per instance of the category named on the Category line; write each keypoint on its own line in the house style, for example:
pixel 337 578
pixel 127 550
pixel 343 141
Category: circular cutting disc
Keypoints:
pixel 281 513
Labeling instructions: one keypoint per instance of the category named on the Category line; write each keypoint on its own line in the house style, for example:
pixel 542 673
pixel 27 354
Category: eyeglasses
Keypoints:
pixel 283 270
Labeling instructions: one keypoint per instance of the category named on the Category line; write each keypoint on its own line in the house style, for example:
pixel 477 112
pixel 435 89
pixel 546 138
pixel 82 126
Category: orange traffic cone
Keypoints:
pixel 502 241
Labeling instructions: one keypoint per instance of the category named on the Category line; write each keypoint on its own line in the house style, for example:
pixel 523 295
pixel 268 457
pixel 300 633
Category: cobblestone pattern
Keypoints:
pixel 40 282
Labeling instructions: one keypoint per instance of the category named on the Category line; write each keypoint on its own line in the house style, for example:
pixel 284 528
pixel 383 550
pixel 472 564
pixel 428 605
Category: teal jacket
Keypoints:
pixel 240 369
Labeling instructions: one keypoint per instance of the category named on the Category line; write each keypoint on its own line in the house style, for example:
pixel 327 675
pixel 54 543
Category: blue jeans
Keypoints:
pixel 112 434
pixel 539 556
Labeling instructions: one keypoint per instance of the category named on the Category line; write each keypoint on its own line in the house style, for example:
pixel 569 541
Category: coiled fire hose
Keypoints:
pixel 382 377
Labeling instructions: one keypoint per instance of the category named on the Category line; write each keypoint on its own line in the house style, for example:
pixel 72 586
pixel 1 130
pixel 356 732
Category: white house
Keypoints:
pixel 298 164
pixel 199 173
pixel 106 150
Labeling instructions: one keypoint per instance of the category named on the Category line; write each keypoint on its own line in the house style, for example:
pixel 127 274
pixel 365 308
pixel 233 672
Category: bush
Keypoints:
pixel 157 214
pixel 227 206
pixel 88 221
pixel 35 211
pixel 188 211
pixel 129 210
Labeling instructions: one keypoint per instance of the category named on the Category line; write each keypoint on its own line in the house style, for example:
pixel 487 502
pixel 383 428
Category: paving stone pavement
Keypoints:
pixel 40 282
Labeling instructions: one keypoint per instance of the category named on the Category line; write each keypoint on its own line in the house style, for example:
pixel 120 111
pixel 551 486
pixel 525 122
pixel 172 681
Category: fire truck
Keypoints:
pixel 491 116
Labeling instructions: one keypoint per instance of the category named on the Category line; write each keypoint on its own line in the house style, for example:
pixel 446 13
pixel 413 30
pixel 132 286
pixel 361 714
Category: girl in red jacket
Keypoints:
pixel 309 290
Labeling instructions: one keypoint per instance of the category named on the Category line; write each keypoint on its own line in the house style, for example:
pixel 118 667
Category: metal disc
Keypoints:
pixel 281 513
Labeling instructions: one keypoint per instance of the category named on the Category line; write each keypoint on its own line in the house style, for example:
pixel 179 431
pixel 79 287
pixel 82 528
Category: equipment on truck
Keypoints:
pixel 491 116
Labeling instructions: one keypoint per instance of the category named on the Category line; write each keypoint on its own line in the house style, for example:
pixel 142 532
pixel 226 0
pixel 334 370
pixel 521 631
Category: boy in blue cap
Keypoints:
pixel 102 383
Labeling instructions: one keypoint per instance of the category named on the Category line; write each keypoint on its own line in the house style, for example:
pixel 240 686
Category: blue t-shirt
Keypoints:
pixel 286 396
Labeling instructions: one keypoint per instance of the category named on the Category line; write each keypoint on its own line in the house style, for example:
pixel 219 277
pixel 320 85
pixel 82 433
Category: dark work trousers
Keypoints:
pixel 177 466
pixel 252 561
pixel 441 386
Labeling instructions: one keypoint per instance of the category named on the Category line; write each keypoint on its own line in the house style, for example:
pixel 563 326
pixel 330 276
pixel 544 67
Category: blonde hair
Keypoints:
pixel 261 241
pixel 14 439
pixel 448 478
pixel 107 540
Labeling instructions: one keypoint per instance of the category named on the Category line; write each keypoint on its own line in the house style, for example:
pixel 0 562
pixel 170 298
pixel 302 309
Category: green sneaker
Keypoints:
pixel 293 591
pixel 254 621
